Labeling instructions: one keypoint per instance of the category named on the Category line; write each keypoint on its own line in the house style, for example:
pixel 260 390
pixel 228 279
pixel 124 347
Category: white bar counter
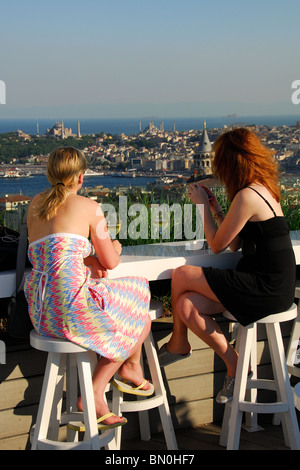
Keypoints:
pixel 157 261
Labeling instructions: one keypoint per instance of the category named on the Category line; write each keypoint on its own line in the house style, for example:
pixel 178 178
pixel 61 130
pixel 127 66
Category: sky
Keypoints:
pixel 134 58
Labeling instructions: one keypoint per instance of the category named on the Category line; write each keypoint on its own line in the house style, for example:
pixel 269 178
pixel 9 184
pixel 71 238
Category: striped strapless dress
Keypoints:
pixel 104 315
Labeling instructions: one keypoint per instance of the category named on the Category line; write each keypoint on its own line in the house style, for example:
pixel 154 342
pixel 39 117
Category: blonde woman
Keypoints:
pixel 65 300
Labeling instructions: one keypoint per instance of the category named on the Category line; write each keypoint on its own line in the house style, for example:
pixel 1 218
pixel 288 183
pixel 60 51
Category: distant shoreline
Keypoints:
pixel 130 126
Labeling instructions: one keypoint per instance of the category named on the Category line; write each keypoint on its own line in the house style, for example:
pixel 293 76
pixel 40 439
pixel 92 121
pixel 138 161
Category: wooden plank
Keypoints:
pixel 20 392
pixel 15 443
pixel 23 364
pixel 17 422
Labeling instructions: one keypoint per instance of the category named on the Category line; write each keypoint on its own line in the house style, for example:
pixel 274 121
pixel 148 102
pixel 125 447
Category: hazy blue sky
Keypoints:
pixel 118 58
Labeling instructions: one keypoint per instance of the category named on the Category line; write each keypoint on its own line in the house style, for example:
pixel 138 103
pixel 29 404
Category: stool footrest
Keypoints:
pixel 143 405
pixel 261 384
pixel 264 408
pixel 293 370
pixel 47 444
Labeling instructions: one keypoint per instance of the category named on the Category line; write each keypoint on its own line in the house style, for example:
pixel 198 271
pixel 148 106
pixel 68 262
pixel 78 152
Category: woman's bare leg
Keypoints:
pixel 106 369
pixel 193 305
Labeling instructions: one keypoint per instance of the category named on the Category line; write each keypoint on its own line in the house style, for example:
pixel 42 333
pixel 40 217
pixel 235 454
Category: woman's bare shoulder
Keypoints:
pixel 83 203
pixel 85 200
pixel 35 201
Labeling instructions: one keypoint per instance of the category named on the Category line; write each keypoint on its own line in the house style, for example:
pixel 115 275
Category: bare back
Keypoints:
pixel 81 216
pixel 72 217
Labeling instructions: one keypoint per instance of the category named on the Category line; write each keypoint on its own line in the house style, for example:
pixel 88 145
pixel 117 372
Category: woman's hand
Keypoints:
pixel 197 194
pixel 201 194
pixel 97 270
pixel 117 246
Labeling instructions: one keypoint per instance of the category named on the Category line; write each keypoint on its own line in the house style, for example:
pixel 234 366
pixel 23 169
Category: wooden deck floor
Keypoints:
pixel 206 437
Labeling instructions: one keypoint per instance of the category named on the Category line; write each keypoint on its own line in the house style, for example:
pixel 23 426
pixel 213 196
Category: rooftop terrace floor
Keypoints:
pixel 206 437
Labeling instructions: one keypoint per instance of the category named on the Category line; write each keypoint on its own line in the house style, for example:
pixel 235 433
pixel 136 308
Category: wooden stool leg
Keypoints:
pixel 47 395
pixel 71 393
pixel 144 416
pixel 55 418
pixel 88 402
pixel 117 400
pixel 289 419
pixel 291 357
pixel 158 382
pixel 251 424
pixel 225 425
pixel 246 339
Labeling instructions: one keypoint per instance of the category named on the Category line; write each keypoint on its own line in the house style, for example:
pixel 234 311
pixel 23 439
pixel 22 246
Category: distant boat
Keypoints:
pixel 93 173
pixel 125 174
pixel 14 173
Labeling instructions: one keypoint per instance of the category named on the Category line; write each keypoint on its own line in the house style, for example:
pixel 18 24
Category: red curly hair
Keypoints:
pixel 241 159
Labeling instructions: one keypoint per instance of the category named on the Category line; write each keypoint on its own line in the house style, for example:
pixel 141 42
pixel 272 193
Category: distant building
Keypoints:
pixel 59 130
pixel 22 135
pixel 12 202
pixel 204 155
pixel 151 129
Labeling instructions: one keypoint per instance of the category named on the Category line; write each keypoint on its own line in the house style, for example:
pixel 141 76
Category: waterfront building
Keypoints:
pixel 11 202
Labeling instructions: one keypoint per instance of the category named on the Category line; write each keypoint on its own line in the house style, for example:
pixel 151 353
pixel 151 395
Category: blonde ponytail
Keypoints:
pixel 63 169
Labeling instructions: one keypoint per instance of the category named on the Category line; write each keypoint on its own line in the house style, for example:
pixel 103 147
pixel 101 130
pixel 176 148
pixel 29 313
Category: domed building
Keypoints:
pixel 204 155
pixel 59 130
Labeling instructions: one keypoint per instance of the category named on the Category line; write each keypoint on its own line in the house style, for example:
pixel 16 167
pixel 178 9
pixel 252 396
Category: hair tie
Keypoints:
pixel 57 184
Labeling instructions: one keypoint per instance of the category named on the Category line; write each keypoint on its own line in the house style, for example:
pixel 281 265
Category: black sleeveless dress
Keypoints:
pixel 263 282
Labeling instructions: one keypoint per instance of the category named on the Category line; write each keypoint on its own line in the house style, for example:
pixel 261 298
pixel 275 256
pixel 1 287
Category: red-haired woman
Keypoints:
pixel 264 280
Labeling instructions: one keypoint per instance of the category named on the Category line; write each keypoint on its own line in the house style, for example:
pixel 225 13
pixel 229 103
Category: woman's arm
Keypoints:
pixel 220 231
pixel 97 270
pixel 108 251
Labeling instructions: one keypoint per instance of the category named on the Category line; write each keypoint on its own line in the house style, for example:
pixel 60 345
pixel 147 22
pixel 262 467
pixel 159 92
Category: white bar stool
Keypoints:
pixel 293 347
pixel 232 420
pixel 158 400
pixel 65 356
pixel 294 343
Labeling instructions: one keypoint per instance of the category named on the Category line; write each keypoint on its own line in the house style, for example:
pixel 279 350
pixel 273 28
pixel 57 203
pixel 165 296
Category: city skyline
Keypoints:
pixel 129 59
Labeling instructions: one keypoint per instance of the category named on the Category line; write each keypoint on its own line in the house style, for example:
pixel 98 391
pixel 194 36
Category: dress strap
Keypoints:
pixel 267 202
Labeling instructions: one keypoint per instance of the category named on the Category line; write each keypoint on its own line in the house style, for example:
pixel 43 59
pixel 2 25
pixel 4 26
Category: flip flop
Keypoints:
pixel 79 426
pixel 126 386
pixel 165 357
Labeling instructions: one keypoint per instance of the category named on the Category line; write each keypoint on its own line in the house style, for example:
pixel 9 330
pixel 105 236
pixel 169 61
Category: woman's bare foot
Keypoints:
pixel 132 371
pixel 101 410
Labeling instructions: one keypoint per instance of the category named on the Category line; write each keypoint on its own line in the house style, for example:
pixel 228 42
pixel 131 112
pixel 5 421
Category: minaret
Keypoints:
pixel 78 130
pixel 62 130
pixel 37 128
pixel 140 126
